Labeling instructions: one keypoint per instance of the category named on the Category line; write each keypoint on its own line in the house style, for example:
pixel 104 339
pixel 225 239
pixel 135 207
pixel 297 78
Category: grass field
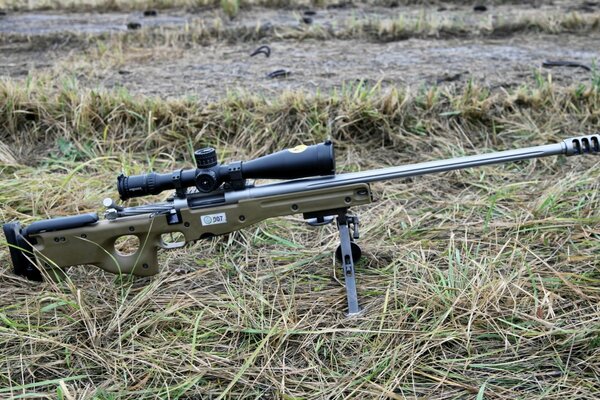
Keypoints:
pixel 478 284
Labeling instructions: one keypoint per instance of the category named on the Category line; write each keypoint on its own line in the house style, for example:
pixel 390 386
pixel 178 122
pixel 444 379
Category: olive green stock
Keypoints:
pixel 95 244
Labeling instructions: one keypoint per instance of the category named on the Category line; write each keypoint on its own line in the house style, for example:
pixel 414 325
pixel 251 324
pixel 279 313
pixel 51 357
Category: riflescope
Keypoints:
pixel 297 162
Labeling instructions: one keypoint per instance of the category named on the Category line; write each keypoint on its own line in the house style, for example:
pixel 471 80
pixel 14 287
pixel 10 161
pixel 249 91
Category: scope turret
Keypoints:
pixel 298 162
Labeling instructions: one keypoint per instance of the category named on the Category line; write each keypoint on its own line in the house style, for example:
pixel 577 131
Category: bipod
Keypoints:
pixel 348 253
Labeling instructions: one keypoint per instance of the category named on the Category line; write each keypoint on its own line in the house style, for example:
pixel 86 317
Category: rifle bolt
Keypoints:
pixel 111 214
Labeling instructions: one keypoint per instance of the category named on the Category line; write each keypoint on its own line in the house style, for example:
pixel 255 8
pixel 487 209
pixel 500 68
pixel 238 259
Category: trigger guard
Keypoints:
pixel 169 246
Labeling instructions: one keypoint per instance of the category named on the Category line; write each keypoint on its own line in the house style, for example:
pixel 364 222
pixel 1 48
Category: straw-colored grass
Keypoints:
pixel 212 27
pixel 483 283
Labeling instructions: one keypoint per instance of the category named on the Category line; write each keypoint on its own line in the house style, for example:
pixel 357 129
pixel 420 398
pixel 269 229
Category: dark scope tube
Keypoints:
pixel 297 162
pixel 152 183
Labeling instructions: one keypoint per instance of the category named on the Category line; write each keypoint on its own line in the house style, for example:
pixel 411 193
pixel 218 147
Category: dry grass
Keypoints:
pixel 45 110
pixel 482 283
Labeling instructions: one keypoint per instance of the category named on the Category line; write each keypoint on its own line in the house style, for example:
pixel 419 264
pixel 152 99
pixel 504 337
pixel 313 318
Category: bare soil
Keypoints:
pixel 207 72
pixel 333 15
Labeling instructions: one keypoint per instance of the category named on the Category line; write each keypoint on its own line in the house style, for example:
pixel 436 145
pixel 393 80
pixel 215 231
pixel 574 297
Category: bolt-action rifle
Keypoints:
pixel 222 201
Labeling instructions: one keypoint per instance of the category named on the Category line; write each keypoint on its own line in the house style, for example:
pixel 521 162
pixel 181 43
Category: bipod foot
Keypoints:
pixel 349 252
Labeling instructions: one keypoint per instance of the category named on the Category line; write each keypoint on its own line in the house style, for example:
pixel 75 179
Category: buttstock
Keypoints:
pixel 92 243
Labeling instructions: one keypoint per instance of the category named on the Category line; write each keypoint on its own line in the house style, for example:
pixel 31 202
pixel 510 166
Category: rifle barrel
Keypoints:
pixel 571 146
pixel 430 167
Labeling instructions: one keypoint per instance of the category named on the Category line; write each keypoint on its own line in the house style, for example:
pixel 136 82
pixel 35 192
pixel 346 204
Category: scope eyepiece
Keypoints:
pixel 298 162
pixel 153 183
pixel 139 185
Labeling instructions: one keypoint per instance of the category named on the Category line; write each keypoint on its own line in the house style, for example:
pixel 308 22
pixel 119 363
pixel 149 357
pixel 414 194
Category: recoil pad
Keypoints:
pixel 21 252
pixel 19 241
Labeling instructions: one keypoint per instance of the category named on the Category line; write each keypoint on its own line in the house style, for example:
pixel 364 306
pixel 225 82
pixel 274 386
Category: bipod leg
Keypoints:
pixel 347 259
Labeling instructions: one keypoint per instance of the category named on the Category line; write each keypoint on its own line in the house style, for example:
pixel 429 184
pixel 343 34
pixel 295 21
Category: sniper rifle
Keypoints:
pixel 223 200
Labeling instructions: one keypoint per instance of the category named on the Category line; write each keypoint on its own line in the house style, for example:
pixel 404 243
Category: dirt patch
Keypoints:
pixel 59 44
pixel 38 24
pixel 208 72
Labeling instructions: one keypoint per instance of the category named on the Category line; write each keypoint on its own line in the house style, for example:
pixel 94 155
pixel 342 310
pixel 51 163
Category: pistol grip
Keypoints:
pixel 97 247
pixel 142 262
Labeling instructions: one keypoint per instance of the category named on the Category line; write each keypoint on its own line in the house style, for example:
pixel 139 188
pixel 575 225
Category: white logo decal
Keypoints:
pixel 213 219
